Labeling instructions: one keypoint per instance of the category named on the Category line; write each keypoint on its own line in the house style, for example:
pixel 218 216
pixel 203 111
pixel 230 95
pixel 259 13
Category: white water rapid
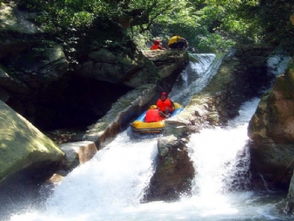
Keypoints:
pixel 195 77
pixel 111 185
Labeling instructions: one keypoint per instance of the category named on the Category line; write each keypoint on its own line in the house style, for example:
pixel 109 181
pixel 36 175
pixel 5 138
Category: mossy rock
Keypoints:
pixel 22 145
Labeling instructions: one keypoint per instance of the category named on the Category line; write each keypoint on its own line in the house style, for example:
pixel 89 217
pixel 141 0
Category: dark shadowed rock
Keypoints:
pixel 12 84
pixel 132 70
pixel 174 171
pixel 272 132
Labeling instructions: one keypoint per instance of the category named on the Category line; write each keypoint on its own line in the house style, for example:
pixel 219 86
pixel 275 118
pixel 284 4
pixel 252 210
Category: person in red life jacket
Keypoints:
pixel 157 45
pixel 153 115
pixel 165 105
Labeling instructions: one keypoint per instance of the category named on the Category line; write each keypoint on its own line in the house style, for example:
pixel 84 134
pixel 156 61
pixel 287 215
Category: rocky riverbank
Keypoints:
pixel 272 133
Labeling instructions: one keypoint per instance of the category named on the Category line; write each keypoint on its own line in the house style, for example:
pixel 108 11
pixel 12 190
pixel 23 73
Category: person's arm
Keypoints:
pixel 173 105
pixel 164 115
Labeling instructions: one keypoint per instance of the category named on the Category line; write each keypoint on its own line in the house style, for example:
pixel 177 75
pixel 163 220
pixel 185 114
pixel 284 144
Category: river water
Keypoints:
pixel 195 77
pixel 110 186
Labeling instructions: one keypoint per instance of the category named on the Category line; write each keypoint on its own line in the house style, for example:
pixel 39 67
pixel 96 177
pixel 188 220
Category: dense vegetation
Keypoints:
pixel 209 25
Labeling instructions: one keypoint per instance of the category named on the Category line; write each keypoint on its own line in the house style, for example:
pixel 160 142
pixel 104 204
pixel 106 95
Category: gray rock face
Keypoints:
pixel 174 172
pixel 128 106
pixel 105 65
pixel 40 66
pixel 109 66
pixel 272 132
pixel 11 84
pixel 77 153
pixel 24 147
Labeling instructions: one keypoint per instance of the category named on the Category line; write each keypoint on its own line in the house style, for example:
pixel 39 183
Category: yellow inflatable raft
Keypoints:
pixel 152 127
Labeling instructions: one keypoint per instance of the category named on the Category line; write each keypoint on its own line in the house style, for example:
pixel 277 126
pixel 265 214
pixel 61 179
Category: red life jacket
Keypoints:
pixel 165 105
pixel 156 47
pixel 152 115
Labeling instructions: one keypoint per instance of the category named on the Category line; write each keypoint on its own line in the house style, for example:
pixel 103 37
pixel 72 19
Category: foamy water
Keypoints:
pixel 110 186
pixel 195 77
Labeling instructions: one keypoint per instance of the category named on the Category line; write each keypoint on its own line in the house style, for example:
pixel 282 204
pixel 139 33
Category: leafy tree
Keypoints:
pixel 208 25
pixel 274 18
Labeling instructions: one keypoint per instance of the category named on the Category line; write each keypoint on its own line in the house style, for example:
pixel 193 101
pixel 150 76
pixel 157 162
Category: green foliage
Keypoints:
pixel 208 25
pixel 61 14
pixel 274 18
pixel 214 43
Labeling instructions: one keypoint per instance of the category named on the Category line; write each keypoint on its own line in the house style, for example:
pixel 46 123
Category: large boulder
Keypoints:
pixel 272 132
pixel 24 148
pixel 167 61
pixel 119 68
pixel 107 54
pixel 174 171
pixel 123 63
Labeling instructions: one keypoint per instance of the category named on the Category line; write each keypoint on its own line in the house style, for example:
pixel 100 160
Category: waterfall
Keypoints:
pixel 195 77
pixel 113 181
pixel 215 153
pixel 111 185
pixel 277 64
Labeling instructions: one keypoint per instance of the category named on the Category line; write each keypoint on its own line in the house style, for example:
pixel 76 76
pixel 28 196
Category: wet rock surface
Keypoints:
pixel 174 171
pixel 272 133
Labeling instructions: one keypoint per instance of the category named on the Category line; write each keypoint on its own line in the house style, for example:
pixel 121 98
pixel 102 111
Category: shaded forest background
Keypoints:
pixel 208 25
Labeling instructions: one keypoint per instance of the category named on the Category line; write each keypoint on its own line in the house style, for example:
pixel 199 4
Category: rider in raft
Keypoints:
pixel 153 114
pixel 165 105
pixel 157 45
